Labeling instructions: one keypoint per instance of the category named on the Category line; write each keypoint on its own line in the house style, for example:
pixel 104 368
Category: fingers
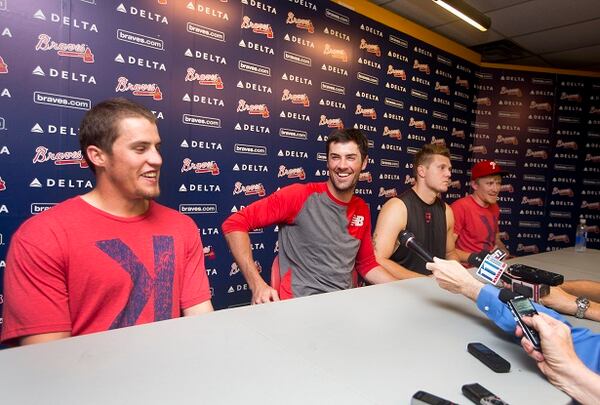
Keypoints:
pixel 518 331
pixel 265 295
pixel 530 350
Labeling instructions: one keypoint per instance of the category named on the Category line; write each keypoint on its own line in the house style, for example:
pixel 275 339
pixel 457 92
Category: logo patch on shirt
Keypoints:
pixel 428 217
pixel 357 220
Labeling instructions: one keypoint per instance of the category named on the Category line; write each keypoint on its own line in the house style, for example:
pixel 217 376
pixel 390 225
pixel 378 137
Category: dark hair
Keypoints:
pixel 99 125
pixel 349 135
pixel 426 153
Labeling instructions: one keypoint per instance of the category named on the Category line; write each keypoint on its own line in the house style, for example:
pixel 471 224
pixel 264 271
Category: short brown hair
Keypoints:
pixel 349 135
pixel 424 156
pixel 99 125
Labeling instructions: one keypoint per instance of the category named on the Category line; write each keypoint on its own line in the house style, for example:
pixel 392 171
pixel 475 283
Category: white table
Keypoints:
pixel 373 345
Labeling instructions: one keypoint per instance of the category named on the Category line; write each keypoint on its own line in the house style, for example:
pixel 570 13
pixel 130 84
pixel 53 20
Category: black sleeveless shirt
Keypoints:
pixel 428 223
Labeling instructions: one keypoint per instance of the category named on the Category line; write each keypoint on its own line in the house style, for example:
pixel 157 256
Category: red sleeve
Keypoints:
pixel 365 258
pixel 281 207
pixel 196 288
pixel 35 286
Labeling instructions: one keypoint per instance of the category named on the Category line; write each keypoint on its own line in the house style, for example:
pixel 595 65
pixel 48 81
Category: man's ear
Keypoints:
pixel 474 184
pixel 420 171
pixel 364 163
pixel 96 155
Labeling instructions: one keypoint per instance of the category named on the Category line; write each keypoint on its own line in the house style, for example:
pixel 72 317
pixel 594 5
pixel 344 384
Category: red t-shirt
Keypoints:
pixel 476 226
pixel 79 269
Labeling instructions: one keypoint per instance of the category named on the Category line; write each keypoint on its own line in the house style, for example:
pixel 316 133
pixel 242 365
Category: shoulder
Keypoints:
pixel 51 227
pixel 460 203
pixel 164 213
pixel 394 206
pixel 53 217
pixel 395 202
pixel 359 203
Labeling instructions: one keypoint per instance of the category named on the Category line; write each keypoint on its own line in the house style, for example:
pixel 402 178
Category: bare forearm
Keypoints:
pixel 198 309
pixel 583 385
pixel 239 244
pixel 583 288
pixel 452 255
pixel 569 307
pixel 463 256
pixel 397 271
pixel 500 245
pixel 379 275
pixel 43 338
pixel 472 289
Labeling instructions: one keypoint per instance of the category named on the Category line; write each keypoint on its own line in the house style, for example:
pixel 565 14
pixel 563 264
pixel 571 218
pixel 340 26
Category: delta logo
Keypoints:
pixel 399 73
pixel 296 173
pixel 335 53
pixel 370 48
pixel 201 167
pixel 392 133
pixel 209 252
pixel 295 98
pixel 253 109
pixel 257 28
pixel 366 112
pixel 365 176
pixel 302 23
pixel 142 90
pixel 2 184
pixel 140 12
pixel 204 79
pixel 43 155
pixel 251 189
pixel 3 66
pixel 69 50
pixel 331 122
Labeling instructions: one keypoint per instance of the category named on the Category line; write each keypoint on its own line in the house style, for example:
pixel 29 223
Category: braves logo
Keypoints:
pixel 257 28
pixel 65 49
pixel 3 66
pixel 137 89
pixel 209 252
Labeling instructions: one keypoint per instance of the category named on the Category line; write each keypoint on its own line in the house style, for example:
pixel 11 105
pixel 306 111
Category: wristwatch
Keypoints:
pixel 582 305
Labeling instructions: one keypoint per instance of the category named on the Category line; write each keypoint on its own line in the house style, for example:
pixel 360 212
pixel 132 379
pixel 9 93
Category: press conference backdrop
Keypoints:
pixel 246 93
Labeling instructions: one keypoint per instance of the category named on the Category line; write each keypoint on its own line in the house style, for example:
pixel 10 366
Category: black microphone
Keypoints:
pixel 507 295
pixel 408 240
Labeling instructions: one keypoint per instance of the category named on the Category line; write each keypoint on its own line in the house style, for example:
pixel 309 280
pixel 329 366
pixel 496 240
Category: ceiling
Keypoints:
pixel 561 34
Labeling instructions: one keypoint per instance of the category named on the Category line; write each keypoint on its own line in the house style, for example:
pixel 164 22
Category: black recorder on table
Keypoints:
pixel 521 307
pixel 531 282
pixel 525 280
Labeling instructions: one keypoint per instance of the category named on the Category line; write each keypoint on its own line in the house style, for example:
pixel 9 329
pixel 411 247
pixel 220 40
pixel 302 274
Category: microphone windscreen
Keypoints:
pixel 404 237
pixel 507 295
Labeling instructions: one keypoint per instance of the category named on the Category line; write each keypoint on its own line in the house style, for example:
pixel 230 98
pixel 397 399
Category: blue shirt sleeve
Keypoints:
pixel 586 343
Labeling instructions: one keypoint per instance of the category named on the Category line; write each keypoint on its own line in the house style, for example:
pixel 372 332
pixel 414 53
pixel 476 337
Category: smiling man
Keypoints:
pixel 110 258
pixel 421 211
pixel 476 215
pixel 324 229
